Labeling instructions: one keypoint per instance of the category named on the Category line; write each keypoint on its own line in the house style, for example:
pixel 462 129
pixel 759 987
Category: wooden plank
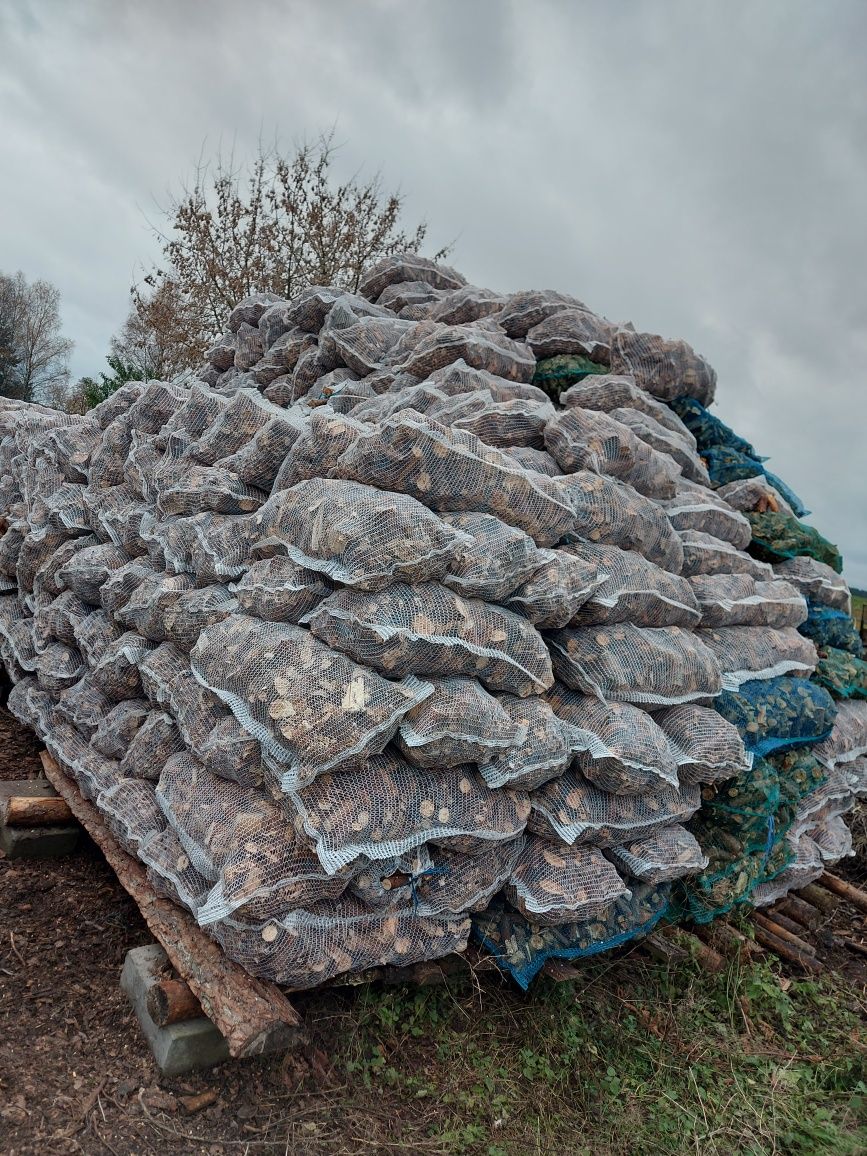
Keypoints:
pixel 28 811
pixel 251 1013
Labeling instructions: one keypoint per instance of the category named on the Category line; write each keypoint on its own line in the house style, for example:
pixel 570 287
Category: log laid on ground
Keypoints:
pixel 170 1001
pixel 662 949
pixel 796 909
pixel 725 939
pixel 855 945
pixel 847 891
pixel 709 959
pixel 820 898
pixel 783 933
pixel 32 811
pixel 786 950
pixel 250 1013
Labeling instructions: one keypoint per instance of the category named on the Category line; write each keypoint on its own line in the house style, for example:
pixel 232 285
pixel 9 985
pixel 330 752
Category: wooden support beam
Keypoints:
pixel 847 891
pixel 820 898
pixel 250 1013
pixel 33 811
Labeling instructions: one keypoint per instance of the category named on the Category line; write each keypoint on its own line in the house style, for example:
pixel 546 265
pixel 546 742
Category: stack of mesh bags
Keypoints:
pixel 408 617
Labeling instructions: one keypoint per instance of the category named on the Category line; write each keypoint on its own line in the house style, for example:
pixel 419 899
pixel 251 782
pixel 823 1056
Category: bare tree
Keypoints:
pixel 37 359
pixel 282 224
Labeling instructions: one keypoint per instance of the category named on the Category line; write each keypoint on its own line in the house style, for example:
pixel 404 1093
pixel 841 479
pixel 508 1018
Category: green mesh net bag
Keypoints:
pixel 841 673
pixel 554 374
pixel 777 536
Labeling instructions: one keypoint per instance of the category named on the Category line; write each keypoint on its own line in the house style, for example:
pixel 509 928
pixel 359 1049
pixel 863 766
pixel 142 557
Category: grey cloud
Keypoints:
pixel 697 168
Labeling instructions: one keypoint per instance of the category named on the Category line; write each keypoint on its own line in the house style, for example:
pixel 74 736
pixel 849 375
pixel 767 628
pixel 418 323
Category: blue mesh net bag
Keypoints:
pixel 521 949
pixel 829 627
pixel 708 430
pixel 726 465
pixel 775 714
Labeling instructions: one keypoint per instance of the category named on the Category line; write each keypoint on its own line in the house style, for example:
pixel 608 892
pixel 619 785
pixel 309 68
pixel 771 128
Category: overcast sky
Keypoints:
pixel 699 168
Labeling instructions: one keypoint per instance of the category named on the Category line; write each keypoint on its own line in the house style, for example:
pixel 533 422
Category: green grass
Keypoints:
pixel 634 1058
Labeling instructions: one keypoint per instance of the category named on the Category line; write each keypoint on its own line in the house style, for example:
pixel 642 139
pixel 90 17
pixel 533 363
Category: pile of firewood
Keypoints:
pixel 428 611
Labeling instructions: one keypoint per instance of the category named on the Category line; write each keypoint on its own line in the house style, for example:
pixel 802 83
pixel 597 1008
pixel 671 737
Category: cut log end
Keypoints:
pixel 170 1001
pixel 33 811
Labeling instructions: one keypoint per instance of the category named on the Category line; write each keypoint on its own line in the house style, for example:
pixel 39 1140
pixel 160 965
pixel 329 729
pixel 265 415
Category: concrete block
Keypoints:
pixel 178 1048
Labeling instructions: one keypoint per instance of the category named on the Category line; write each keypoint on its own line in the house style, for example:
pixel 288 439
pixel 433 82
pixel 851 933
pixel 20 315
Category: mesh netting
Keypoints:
pixel 59 667
pixel 538 460
pixel 402 267
pixel 512 423
pixel 571 809
pixel 188 615
pixel 816 581
pixel 661 665
pixel 553 885
pixel 213 547
pixel 358 535
pixel 848 739
pixel 697 508
pixel 610 392
pixel 668 854
pixel 552 596
pixel 456 883
pixel 84 705
pixel 362 346
pixel 778 536
pixel 232 753
pixel 664 441
pixel 570 331
pixel 316 452
pixel 613 513
pixel 805 865
pixel 88 569
pixel 459 723
pixel 844 675
pixel 117 672
pixel 432 630
pixel 634 590
pixel 118 726
pixel 451 470
pixel 742 600
pixel 131 811
pixel 60 619
pixel 522 949
pixel 778 713
pixel 95 634
pixel 310 707
pixel 666 369
pixel 707 748
pixel 544 753
pixel 530 307
pixel 703 554
pixel 833 839
pixel 828 627
pixel 279 590
pixel 479 347
pixel 390 807
pixel 754 494
pixel 748 653
pixel 499 559
pixel 708 430
pixel 586 439
pixel 145 609
pixel 150 748
pixel 458 377
pixel 617 746
pixel 92 771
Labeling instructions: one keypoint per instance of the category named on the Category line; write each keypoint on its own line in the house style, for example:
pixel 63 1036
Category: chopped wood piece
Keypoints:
pixel 786 950
pixel 250 1013
pixel 724 938
pixel 782 920
pixel 170 1000
pixel 783 933
pixel 662 949
pixel 820 898
pixel 23 811
pixel 854 944
pixel 707 956
pixel 847 891
pixel 804 913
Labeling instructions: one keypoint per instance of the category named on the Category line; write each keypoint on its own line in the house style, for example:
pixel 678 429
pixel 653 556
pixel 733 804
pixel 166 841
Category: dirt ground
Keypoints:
pixel 77 1077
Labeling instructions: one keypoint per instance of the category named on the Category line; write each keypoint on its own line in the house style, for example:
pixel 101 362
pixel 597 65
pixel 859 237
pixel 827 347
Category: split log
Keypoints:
pixel 170 1001
pixel 250 1014
pixel 786 950
pixel 35 811
pixel 783 933
pixel 847 891
pixel 820 898
pixel 799 911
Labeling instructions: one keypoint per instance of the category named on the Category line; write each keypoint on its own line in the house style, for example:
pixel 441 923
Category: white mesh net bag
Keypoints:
pixel 117 672
pixel 544 753
pixel 706 747
pixel 388 807
pixel 755 494
pixel 634 590
pixel 358 535
pixel 458 883
pixel 554 884
pixel 497 560
pixel 703 554
pixel 152 745
pixel 695 507
pixel 666 369
pixel 665 441
pixel 848 738
pixel 117 728
pixel 613 513
pixel 459 723
pixel 617 746
pixel 59 667
pixel 586 439
pixel 279 590
pixel 432 630
pixel 95 634
pixel 610 392
pixel 572 810
pixel 555 592
pixel 310 707
pixel 451 470
pixel 741 600
pixel 746 653
pixel 668 854
pixel 650 665
pixel 816 581
pixel 131 811
pixel 84 705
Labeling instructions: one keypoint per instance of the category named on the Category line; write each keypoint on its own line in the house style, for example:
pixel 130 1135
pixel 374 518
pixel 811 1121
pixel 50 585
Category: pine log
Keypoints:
pixel 250 1013
pixel 786 950
pixel 801 912
pixel 783 933
pixel 724 938
pixel 847 891
pixel 709 959
pixel 820 898
pixel 662 949
pixel 782 920
pixel 170 1000
pixel 35 811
